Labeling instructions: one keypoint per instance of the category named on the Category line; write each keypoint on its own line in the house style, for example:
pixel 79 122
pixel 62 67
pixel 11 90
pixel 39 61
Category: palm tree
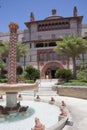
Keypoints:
pixel 72 46
pixel 1 49
pixel 21 49
pixel 1 61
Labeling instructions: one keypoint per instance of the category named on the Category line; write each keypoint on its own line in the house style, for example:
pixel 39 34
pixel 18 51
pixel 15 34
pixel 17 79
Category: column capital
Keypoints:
pixel 13 27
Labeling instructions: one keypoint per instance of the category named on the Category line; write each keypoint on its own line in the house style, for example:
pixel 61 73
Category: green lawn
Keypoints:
pixel 75 83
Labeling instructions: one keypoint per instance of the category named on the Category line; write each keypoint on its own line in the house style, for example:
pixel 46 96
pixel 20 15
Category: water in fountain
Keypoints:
pixel 49 116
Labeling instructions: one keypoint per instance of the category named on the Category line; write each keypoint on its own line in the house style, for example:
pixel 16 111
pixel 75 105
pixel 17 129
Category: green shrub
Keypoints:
pixel 73 81
pixel 29 81
pixel 31 73
pixel 84 80
pixel 82 75
pixel 75 84
pixel 3 80
pixel 64 74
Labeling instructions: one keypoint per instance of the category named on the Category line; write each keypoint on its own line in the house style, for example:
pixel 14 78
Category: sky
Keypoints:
pixel 19 10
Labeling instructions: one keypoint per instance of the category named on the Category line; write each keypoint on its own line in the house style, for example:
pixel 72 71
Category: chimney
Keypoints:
pixel 53 11
pixel 32 17
pixel 75 11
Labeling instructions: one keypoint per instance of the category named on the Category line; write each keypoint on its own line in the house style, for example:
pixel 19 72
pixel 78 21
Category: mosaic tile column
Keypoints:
pixel 12 53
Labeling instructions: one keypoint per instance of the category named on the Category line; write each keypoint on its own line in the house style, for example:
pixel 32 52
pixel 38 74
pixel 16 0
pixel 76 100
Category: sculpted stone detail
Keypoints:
pixel 52 101
pixel 63 109
pixel 63 112
pixel 63 104
pixel 38 125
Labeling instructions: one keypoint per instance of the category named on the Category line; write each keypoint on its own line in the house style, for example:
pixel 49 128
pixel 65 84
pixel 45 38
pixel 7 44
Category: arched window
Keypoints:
pixel 39 45
pixel 52 44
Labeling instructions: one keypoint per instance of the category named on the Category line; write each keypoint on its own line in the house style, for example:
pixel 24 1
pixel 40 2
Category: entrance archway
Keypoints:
pixel 50 72
pixel 49 69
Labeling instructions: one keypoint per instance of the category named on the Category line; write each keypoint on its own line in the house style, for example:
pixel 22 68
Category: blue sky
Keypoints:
pixel 19 10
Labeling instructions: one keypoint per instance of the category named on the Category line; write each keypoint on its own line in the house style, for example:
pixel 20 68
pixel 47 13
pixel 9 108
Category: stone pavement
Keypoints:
pixel 77 108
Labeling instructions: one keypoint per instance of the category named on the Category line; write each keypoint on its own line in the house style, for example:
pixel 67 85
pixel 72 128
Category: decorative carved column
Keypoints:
pixel 12 53
pixel 11 97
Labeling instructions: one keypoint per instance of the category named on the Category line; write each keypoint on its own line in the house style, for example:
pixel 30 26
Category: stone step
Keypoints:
pixel 51 95
pixel 47 93
pixel 48 80
pixel 45 88
pixel 30 93
pixel 47 84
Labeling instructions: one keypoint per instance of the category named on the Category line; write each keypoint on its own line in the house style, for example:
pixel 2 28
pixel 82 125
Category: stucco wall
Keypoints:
pixel 77 92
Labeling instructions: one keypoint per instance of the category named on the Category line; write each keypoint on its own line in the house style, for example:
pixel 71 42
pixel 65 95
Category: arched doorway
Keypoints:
pixel 51 72
pixel 49 69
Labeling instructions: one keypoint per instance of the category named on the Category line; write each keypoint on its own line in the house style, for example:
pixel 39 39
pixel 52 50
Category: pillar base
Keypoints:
pixel 11 99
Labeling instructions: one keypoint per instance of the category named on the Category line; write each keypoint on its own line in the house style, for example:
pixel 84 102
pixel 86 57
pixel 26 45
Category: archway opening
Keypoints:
pixel 49 69
pixel 50 72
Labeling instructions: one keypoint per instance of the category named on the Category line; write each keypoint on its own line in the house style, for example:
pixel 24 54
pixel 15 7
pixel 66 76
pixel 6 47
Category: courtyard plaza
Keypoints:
pixel 77 107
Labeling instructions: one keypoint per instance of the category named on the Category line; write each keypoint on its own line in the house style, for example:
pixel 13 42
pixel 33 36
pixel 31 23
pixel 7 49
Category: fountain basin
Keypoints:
pixel 49 116
pixel 17 87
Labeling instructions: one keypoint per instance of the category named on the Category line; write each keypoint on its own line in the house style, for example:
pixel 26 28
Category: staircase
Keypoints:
pixel 44 89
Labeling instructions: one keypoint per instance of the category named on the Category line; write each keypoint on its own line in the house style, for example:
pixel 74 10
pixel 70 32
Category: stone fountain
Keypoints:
pixel 12 87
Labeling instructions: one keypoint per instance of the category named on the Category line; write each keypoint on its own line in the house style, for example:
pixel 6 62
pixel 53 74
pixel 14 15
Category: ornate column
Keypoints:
pixel 11 97
pixel 12 53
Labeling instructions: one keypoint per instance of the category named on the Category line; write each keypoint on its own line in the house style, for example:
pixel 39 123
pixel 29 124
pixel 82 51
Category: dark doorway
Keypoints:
pixel 51 72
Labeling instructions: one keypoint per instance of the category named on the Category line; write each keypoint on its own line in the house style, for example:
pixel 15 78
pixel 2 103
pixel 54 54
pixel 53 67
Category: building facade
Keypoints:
pixel 41 37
